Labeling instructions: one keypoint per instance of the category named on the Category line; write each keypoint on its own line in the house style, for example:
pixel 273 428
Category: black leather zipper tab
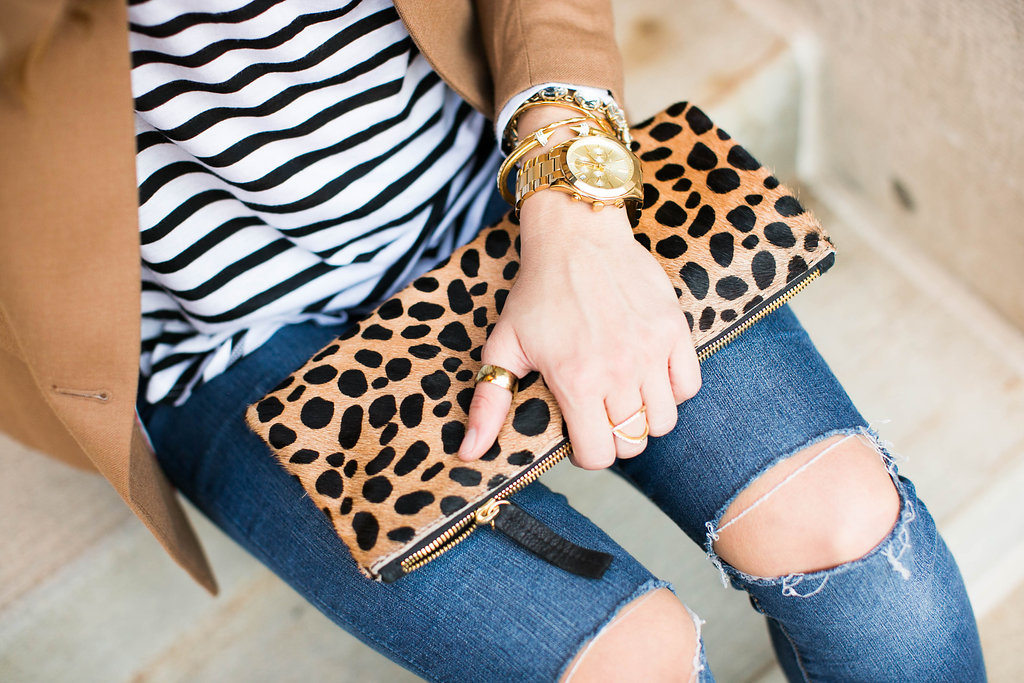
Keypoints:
pixel 542 540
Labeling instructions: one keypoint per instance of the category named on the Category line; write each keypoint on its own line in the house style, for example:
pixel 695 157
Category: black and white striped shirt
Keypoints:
pixel 296 161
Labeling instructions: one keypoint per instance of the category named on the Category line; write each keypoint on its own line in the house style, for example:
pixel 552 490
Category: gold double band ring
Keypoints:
pixel 495 374
pixel 631 438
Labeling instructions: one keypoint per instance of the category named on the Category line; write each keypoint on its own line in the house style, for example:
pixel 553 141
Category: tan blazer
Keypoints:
pixel 69 236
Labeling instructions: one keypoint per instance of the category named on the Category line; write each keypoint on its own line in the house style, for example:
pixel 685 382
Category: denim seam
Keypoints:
pixel 649 585
pixel 906 515
pixel 796 650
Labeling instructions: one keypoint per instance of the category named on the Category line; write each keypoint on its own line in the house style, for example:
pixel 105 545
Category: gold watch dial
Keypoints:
pixel 599 162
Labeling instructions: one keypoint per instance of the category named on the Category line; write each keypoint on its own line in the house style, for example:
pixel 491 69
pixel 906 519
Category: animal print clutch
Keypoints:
pixel 371 424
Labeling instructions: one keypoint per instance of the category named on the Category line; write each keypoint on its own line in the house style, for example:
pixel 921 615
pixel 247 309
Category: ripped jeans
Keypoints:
pixel 488 610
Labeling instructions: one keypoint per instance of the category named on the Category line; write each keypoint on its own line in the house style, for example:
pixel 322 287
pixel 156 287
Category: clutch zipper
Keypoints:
pixel 484 513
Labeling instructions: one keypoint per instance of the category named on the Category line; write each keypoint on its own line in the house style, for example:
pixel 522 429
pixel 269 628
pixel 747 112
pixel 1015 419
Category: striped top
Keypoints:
pixel 296 161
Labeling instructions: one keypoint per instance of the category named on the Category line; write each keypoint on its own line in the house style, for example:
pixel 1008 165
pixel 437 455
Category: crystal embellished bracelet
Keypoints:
pixel 569 98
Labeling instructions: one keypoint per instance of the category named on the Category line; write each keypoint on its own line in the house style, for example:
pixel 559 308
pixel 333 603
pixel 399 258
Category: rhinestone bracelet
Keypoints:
pixel 567 97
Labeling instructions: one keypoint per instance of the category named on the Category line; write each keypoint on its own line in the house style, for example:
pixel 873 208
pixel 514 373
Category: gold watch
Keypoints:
pixel 594 168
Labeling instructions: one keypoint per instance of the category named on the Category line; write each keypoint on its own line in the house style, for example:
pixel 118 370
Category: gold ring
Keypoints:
pixel 496 374
pixel 630 438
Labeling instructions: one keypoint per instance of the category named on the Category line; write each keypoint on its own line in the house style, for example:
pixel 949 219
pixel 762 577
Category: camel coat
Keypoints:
pixel 69 236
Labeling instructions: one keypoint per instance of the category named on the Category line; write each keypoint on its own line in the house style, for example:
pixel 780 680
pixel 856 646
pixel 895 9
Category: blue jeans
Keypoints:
pixel 900 613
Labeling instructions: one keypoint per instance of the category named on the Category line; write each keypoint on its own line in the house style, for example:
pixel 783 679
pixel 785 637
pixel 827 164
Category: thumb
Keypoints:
pixel 490 405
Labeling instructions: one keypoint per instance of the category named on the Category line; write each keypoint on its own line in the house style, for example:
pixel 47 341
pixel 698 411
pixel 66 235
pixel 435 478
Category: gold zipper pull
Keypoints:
pixel 486 513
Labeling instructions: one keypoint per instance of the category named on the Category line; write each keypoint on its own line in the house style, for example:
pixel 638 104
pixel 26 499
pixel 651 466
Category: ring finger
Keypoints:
pixel 631 437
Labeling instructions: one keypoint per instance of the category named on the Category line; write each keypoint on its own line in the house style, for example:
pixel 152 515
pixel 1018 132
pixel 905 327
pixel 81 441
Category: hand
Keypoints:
pixel 595 313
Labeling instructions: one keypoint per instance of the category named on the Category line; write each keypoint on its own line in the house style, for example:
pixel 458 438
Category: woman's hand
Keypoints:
pixel 595 313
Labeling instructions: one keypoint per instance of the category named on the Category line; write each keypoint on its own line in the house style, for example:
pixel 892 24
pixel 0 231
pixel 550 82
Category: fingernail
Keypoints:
pixel 468 442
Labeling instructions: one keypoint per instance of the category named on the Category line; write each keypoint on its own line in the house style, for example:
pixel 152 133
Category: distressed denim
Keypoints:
pixel 488 610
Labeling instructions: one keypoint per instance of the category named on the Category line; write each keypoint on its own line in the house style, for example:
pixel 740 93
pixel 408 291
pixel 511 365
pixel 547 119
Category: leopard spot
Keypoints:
pixel 424 351
pixel 352 383
pixel 329 351
pixel 671 247
pixel 496 243
pixel 317 413
pixel 402 534
pixel 458 298
pixel 707 319
pixel 531 417
pixel 370 359
pixel 741 159
pixel 351 426
pixel 296 393
pixel 797 266
pixel 377 489
pixel 388 433
pixel 377 332
pixel 330 483
pixel 771 182
pixel 496 480
pixel 464 398
pixel 280 436
pixel 682 185
pixel 304 456
pixel 452 363
pixel 750 241
pixel 701 157
pixel 426 283
pixel 411 411
pixel 723 180
pixel 752 303
pixel 721 248
pixel 811 241
pixel 284 384
pixel 464 476
pixel 431 471
pixel 411 503
pixel 643 239
pixel 366 527
pixel 731 287
pixel 379 383
pixel 529 378
pixel 693 201
pixel 520 458
pixel 698 120
pixel 510 270
pixel 436 384
pixel 753 199
pixel 451 436
pixel 450 504
pixel 788 206
pixel 470 263
pixel 424 310
pixel 390 309
pixel 696 279
pixel 675 109
pixel 268 409
pixel 763 269
pixel 416 331
pixel 656 154
pixel 669 172
pixel 499 300
pixel 414 455
pixel 320 375
pixel 651 195
pixel 398 369
pixel 382 409
pixel 480 288
pixel 665 131
pixel 703 223
pixel 728 315
pixel 779 234
pixel 442 409
pixel 742 218
pixel 350 468
pixel 477 352
pixel 491 453
pixel 480 317
pixel 464 375
pixel 454 336
pixel 346 505
pixel 336 459
pixel 380 461
pixel 670 214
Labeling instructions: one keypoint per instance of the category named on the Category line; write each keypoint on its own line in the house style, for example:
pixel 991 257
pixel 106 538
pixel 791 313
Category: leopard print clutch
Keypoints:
pixel 371 424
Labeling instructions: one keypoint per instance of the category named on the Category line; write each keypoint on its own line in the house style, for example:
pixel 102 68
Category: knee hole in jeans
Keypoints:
pixel 826 505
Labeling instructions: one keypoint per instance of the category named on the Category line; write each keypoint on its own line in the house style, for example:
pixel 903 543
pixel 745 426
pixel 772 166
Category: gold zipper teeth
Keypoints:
pixel 711 348
pixel 467 524
pixel 433 550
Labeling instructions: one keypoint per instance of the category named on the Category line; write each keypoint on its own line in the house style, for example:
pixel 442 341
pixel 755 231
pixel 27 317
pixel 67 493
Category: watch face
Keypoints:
pixel 600 162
